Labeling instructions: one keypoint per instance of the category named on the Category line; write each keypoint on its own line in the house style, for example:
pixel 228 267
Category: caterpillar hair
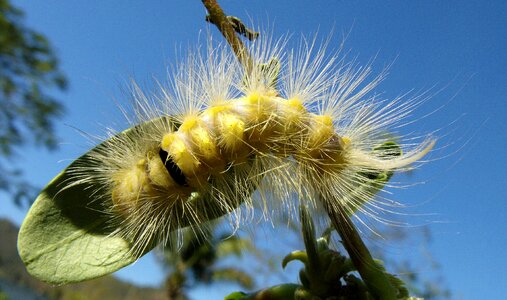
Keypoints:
pixel 300 126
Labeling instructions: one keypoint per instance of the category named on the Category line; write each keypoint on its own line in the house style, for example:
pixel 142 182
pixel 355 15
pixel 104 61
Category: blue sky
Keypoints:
pixel 458 49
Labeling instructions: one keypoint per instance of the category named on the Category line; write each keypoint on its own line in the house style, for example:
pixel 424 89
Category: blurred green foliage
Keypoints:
pixel 200 260
pixel 28 67
pixel 3 296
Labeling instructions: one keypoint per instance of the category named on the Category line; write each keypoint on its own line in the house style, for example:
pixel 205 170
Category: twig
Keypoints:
pixel 217 17
pixel 239 27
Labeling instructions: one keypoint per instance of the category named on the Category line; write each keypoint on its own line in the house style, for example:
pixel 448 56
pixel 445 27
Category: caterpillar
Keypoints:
pixel 300 126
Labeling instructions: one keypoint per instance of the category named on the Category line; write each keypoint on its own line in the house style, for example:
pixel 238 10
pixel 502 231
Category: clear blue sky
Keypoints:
pixel 458 47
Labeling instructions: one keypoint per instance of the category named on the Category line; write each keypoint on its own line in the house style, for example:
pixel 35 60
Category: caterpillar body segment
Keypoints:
pixel 219 137
pixel 300 128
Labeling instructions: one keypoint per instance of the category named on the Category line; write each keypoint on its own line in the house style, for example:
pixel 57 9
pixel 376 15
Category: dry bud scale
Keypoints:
pixel 300 126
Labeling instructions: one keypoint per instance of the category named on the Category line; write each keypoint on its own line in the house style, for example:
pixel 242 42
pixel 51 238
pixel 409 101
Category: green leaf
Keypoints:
pixel 235 296
pixel 67 236
pixel 277 292
pixel 295 255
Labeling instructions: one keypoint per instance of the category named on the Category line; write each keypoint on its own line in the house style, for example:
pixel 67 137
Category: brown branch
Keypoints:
pixel 218 17
pixel 239 27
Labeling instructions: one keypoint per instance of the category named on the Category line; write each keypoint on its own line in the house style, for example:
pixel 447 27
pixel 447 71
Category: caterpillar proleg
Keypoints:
pixel 300 126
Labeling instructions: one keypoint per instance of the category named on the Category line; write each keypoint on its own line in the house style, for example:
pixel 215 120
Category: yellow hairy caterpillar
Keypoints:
pixel 296 129
pixel 299 126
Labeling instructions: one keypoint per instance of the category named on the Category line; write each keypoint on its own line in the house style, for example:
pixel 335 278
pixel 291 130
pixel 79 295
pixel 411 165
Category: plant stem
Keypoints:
pixel 218 17
pixel 374 277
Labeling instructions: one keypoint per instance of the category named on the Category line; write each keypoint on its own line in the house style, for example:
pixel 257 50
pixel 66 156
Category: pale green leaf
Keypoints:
pixel 66 236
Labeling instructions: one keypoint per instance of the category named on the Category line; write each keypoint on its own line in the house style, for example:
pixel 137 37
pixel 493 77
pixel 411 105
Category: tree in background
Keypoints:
pixel 28 67
pixel 200 260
